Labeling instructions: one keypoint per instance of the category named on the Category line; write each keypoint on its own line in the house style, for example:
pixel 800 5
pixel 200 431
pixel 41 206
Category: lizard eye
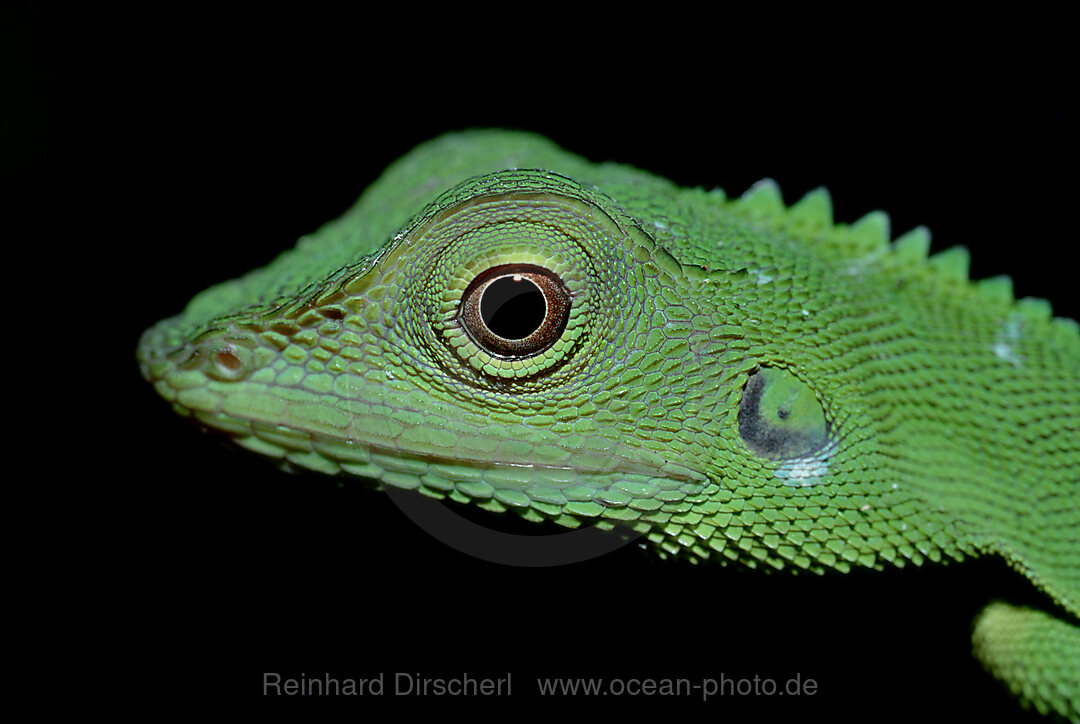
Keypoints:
pixel 515 310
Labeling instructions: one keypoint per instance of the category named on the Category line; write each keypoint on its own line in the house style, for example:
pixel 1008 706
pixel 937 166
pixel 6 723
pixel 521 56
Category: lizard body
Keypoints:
pixel 732 379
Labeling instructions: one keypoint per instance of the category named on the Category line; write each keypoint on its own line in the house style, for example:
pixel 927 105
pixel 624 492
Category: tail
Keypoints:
pixel 1036 654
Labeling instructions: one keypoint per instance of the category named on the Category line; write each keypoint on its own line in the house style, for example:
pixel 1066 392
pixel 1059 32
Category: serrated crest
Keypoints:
pixel 812 215
pixel 1035 309
pixel 870 233
pixel 763 199
pixel 952 264
pixel 997 289
pixel 813 212
pixel 914 246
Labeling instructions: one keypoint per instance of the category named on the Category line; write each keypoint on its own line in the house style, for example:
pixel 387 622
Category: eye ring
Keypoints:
pixel 504 318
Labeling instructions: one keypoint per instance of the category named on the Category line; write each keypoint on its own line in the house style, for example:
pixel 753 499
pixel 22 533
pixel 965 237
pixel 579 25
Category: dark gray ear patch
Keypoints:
pixel 780 418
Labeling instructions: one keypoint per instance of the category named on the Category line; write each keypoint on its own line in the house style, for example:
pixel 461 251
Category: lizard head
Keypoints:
pixel 520 340
pixel 522 343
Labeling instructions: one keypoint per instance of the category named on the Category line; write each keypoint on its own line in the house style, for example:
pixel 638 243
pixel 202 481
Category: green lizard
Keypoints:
pixel 499 322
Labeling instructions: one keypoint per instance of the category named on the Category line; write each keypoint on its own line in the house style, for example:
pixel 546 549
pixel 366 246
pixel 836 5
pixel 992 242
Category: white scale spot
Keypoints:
pixel 803 472
pixel 1004 342
pixel 762 277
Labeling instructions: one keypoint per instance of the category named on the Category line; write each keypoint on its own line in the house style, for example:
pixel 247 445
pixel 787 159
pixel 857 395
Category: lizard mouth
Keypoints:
pixel 249 383
pixel 210 381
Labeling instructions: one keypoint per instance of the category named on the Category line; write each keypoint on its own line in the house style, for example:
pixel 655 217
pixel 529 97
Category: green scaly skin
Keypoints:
pixel 900 412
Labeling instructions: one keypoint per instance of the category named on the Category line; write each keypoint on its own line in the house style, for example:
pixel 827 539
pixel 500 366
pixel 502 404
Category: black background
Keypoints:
pixel 155 153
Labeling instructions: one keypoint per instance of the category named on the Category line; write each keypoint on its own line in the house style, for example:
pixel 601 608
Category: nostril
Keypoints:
pixel 227 358
pixel 228 362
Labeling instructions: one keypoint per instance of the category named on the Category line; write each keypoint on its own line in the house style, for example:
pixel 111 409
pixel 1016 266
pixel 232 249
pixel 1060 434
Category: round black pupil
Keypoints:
pixel 512 307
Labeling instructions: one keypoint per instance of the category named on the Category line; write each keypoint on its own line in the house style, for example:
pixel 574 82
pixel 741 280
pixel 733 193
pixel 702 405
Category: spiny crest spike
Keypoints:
pixel 1035 309
pixel 1067 332
pixel 871 232
pixel 762 199
pixel 814 211
pixel 913 246
pixel 952 264
pixel 997 289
